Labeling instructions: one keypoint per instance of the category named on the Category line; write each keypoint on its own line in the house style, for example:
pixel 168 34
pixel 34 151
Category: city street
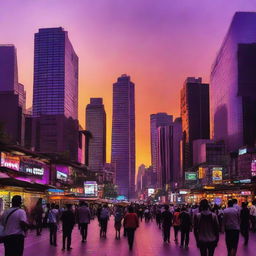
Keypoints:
pixel 148 241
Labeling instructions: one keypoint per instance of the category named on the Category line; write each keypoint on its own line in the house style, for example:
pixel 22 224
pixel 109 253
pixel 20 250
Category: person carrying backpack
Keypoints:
pixel 206 229
pixel 118 221
pixel 104 218
pixel 14 222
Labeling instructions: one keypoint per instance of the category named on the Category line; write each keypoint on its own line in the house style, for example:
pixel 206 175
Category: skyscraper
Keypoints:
pixel 12 96
pixel 55 94
pixel 195 116
pixel 169 138
pixel 157 120
pixel 123 135
pixel 96 125
pixel 55 74
pixel 233 85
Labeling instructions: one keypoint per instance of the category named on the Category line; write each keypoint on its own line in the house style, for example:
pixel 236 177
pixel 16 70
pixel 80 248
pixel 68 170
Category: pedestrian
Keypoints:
pixel 245 224
pixel 68 222
pixel 131 223
pixel 176 224
pixel 185 227
pixel 253 215
pixel 53 218
pixel 158 217
pixel 99 209
pixel 104 218
pixel 14 221
pixel 166 223
pixel 140 213
pixel 206 229
pixel 118 221
pixel 37 214
pixel 84 218
pixel 147 215
pixel 231 223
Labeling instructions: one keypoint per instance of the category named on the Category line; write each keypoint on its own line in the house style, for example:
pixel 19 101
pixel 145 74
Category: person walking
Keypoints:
pixel 253 215
pixel 104 218
pixel 158 217
pixel 53 218
pixel 38 216
pixel 245 224
pixel 68 222
pixel 84 218
pixel 166 223
pixel 176 224
pixel 118 221
pixel 131 223
pixel 14 221
pixel 185 227
pixel 231 222
pixel 206 229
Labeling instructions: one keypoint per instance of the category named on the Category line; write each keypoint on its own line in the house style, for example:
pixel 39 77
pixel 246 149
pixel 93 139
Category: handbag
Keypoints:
pixel 2 227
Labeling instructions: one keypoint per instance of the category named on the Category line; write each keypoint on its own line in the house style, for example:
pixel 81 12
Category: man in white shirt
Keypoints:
pixel 14 221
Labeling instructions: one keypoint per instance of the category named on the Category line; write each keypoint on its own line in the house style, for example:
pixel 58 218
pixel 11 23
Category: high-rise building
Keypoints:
pixel 12 96
pixel 55 74
pixel 55 94
pixel 96 125
pixel 140 174
pixel 195 116
pixel 233 85
pixel 169 138
pixel 157 120
pixel 123 135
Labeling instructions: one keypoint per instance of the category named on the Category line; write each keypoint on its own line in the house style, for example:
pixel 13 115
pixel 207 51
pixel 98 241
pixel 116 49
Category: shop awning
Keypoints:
pixel 11 182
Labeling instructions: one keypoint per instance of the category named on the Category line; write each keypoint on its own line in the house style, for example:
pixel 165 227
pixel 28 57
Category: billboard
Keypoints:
pixel 253 168
pixel 10 161
pixel 151 191
pixel 91 188
pixel 31 166
pixel 190 176
pixel 217 175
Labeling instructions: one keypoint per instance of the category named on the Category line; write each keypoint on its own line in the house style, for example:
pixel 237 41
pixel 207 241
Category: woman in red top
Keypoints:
pixel 131 222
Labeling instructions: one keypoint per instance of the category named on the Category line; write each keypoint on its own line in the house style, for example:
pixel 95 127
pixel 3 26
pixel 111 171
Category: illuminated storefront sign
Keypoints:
pixel 253 168
pixel 31 166
pixel 10 161
pixel 184 191
pixel 217 175
pixel 190 176
pixel 242 151
pixel 202 172
pixel 151 191
pixel 246 193
pixel 91 188
pixel 61 176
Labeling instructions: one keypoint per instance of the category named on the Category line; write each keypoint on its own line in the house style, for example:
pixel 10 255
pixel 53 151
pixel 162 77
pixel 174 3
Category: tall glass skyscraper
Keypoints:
pixel 55 74
pixel 123 135
pixel 96 125
pixel 157 120
pixel 233 85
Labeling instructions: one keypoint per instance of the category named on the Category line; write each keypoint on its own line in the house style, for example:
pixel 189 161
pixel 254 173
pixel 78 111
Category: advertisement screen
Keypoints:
pixel 31 166
pixel 62 176
pixel 10 161
pixel 217 175
pixel 253 168
pixel 91 188
pixel 151 191
pixel 190 176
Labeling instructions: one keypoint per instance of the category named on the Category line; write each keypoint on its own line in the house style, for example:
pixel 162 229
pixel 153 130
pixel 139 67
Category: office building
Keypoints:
pixel 123 135
pixel 233 85
pixel 96 125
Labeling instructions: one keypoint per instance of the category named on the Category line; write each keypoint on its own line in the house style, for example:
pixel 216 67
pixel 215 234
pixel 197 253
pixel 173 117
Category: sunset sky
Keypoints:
pixel 157 42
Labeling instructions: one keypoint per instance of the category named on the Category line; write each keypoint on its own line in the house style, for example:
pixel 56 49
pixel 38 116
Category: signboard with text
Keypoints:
pixel 217 175
pixel 91 188
pixel 190 176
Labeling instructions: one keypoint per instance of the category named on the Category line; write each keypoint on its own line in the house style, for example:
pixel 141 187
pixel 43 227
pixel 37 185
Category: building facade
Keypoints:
pixel 55 74
pixel 195 116
pixel 96 125
pixel 123 135
pixel 12 96
pixel 233 85
pixel 157 120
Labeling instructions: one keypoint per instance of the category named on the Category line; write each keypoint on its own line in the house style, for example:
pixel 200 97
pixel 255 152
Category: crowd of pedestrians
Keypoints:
pixel 205 220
